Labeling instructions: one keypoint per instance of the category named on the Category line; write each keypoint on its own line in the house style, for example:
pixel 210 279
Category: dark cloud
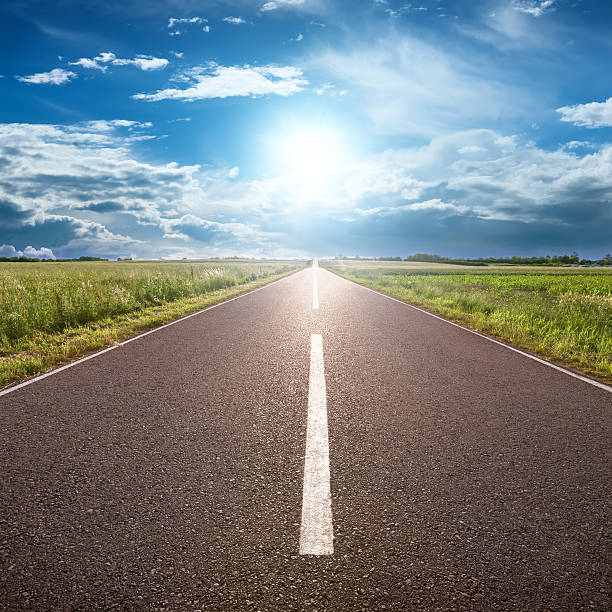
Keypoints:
pixel 456 235
pixel 103 207
pixel 21 228
pixel 202 230
pixel 12 216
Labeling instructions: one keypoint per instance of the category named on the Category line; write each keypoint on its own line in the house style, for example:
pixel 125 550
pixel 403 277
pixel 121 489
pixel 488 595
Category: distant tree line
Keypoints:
pixel 36 259
pixel 555 260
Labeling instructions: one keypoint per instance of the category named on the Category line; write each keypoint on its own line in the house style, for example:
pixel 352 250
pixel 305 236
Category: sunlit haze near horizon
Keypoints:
pixel 305 128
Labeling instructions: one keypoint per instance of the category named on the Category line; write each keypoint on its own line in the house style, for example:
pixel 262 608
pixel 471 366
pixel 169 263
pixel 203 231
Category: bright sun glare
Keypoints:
pixel 312 155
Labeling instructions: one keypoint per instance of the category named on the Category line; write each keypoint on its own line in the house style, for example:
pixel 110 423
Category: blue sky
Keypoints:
pixel 305 127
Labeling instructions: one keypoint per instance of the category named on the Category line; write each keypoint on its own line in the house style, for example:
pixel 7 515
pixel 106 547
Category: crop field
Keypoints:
pixel 54 311
pixel 563 314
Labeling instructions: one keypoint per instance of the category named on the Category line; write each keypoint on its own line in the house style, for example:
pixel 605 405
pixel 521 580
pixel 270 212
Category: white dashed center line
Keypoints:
pixel 317 532
pixel 315 286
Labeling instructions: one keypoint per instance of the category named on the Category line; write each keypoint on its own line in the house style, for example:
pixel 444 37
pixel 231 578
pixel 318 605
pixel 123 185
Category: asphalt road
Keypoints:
pixel 169 473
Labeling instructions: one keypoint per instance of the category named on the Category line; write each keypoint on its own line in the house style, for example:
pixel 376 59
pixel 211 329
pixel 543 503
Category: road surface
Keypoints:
pixel 306 447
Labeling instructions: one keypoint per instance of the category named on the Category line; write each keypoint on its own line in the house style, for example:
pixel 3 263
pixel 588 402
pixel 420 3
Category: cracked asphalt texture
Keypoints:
pixel 167 474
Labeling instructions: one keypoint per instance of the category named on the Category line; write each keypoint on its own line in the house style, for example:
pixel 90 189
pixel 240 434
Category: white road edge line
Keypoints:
pixel 151 331
pixel 590 381
pixel 317 531
pixel 315 285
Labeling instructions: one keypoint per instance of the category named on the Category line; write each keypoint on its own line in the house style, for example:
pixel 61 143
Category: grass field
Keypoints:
pixel 53 312
pixel 563 314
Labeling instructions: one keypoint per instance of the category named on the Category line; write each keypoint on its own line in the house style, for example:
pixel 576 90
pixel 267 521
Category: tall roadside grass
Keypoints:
pixel 52 312
pixel 562 314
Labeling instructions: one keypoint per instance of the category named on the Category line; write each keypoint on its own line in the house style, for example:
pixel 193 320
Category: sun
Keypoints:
pixel 312 154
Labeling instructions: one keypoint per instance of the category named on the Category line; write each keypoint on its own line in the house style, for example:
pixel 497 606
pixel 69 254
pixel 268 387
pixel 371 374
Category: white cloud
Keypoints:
pixel 8 250
pixel 434 204
pixel 144 62
pixel 57 76
pixel 96 63
pixel 173 22
pixel 591 115
pixel 406 8
pixel 177 54
pixel 103 60
pixel 106 56
pixel 470 149
pixel 88 63
pixel 43 252
pixel 103 125
pixel 214 81
pixel 537 8
pixel 276 4
pixel 233 172
pixel 298 38
pixel 579 144
pixel 325 88
pixel 235 20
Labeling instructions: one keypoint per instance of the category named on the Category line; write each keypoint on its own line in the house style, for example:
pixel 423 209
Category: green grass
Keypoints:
pixel 563 314
pixel 53 312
